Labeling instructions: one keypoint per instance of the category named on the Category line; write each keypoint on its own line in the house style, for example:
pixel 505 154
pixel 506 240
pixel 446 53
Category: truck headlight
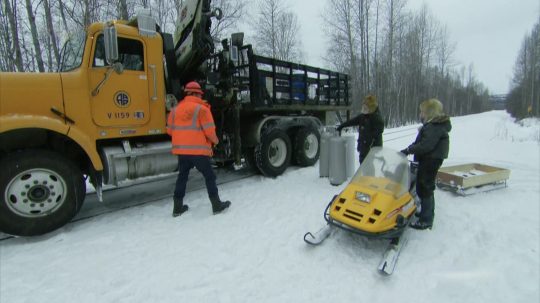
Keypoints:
pixel 363 197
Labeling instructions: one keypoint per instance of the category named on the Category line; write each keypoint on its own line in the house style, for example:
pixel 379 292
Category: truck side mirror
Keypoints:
pixel 111 43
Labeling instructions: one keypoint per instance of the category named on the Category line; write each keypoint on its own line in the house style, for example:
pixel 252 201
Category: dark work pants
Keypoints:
pixel 361 158
pixel 425 186
pixel 202 164
pixel 362 153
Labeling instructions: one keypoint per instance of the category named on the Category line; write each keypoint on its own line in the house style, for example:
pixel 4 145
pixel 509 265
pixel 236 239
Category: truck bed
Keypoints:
pixel 267 84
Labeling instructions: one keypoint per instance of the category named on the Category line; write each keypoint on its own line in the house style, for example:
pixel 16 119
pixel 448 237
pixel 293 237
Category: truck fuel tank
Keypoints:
pixel 123 162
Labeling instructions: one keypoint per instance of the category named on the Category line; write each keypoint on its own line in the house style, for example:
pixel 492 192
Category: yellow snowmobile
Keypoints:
pixel 378 202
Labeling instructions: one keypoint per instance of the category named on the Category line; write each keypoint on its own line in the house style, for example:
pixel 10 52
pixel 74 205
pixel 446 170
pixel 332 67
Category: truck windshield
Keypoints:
pixel 72 53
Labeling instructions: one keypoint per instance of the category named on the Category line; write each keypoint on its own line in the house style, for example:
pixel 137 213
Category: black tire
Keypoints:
pixel 273 154
pixel 40 192
pixel 249 156
pixel 307 145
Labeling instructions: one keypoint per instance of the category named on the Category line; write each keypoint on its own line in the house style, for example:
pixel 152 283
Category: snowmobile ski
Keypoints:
pixel 390 257
pixel 318 237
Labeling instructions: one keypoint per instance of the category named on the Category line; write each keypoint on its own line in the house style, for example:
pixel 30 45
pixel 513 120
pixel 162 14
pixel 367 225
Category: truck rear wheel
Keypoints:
pixel 307 146
pixel 273 154
pixel 40 192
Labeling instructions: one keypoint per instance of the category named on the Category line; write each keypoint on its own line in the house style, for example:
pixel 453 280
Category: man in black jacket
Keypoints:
pixel 430 149
pixel 370 126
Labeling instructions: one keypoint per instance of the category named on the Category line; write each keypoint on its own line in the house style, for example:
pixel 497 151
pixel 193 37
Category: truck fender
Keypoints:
pixel 88 145
pixel 14 122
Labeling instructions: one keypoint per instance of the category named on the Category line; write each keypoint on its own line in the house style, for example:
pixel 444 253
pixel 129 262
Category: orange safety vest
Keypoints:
pixel 192 128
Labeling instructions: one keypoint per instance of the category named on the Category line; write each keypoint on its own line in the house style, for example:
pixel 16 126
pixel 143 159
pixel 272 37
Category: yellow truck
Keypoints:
pixel 102 116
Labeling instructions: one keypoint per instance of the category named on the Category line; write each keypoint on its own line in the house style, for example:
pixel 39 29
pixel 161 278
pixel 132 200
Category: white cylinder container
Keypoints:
pixel 324 154
pixel 337 159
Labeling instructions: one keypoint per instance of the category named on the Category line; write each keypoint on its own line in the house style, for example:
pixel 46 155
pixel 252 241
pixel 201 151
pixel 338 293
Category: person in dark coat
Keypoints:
pixel 430 149
pixel 370 126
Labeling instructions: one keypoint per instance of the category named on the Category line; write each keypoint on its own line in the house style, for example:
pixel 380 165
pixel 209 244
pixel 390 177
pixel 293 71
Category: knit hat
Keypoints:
pixel 432 108
pixel 370 101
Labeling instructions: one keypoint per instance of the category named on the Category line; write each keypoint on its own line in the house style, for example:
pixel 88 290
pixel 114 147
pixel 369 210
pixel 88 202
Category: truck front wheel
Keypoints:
pixel 40 192
pixel 273 154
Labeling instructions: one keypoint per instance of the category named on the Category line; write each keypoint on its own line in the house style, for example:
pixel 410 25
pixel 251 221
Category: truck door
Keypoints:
pixel 123 100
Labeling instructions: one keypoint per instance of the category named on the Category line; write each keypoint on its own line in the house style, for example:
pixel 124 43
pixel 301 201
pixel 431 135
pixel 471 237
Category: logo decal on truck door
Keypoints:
pixel 121 99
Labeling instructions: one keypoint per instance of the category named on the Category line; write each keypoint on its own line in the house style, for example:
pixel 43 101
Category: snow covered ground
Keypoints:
pixel 483 248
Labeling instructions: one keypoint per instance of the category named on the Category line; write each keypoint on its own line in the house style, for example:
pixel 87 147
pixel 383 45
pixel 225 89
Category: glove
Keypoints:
pixel 405 151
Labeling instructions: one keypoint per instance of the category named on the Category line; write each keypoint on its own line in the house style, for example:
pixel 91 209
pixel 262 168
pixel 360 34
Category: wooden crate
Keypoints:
pixel 471 175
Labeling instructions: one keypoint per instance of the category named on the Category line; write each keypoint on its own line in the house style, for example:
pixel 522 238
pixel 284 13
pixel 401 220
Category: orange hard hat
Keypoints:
pixel 193 87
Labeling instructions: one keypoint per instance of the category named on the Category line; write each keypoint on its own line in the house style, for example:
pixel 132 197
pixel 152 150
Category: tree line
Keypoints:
pixel 524 97
pixel 402 57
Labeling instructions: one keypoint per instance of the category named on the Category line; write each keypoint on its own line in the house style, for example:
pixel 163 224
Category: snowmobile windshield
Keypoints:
pixel 387 164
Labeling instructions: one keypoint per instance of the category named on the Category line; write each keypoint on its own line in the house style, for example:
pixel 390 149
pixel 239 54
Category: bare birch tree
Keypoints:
pixel 524 97
pixel 35 38
pixel 123 10
pixel 265 26
pixel 62 9
pixel 52 34
pixel 11 13
pixel 343 45
pixel 273 24
pixel 6 62
pixel 444 51
pixel 288 44
pixel 362 15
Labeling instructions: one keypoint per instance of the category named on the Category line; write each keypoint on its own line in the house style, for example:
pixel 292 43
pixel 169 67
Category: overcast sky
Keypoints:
pixel 487 33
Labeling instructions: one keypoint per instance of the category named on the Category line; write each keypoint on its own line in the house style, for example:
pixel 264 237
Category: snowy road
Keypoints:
pixel 483 247
pixel 161 188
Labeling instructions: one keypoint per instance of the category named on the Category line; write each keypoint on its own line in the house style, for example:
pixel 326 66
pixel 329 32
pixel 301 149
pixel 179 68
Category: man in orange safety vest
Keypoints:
pixel 193 132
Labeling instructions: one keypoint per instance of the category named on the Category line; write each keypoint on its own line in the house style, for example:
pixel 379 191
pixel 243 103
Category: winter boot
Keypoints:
pixel 218 205
pixel 179 207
